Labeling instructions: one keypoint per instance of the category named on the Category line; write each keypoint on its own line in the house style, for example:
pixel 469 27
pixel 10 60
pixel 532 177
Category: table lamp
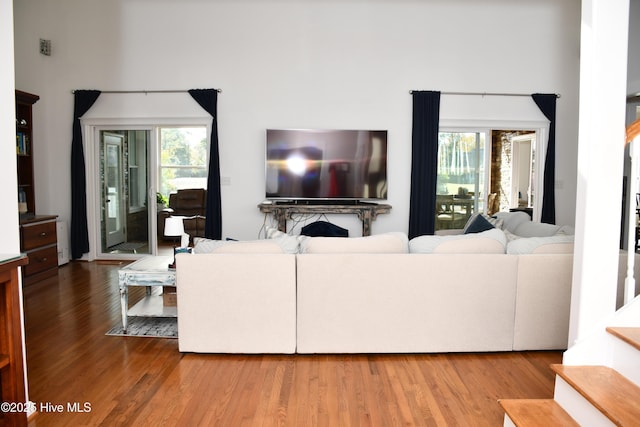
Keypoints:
pixel 174 227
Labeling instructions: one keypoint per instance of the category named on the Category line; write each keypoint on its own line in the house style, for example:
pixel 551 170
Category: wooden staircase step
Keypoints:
pixel 536 412
pixel 606 389
pixel 629 335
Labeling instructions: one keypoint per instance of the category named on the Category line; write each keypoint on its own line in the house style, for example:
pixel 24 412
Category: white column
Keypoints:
pixel 601 137
pixel 10 242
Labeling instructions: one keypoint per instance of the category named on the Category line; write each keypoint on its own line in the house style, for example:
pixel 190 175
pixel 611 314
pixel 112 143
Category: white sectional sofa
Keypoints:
pixel 375 294
pixel 355 303
pixel 237 303
pixel 432 303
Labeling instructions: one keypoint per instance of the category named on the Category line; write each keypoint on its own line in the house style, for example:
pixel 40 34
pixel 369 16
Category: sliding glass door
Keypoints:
pixel 123 184
pixel 136 168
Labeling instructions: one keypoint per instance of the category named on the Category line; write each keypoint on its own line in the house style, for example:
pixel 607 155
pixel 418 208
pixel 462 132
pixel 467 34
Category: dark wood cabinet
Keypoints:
pixel 39 241
pixel 12 387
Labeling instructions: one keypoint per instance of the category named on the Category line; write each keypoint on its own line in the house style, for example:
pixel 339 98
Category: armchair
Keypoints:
pixel 190 203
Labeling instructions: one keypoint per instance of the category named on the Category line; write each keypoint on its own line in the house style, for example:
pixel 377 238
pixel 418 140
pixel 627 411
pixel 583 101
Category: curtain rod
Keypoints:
pixel 147 91
pixel 486 93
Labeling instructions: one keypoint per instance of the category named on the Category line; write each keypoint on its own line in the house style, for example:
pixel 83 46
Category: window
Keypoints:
pixel 487 170
pixel 460 182
pixel 183 158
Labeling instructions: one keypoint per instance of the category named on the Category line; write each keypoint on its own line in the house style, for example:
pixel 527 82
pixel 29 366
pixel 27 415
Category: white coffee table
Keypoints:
pixel 150 271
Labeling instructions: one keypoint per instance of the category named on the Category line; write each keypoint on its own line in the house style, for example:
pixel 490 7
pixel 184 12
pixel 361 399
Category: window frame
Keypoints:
pixel 91 128
pixel 540 128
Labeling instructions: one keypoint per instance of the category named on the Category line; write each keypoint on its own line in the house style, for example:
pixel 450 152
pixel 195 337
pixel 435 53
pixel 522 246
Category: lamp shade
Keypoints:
pixel 173 226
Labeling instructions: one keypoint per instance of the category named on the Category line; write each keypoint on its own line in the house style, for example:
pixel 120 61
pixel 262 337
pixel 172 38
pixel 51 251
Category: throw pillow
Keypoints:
pixel 512 220
pixel 477 223
pixel 289 244
pixel 496 222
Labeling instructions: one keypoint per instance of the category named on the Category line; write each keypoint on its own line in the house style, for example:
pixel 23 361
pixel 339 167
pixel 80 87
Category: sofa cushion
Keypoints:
pixel 392 242
pixel 206 246
pixel 488 242
pixel 558 244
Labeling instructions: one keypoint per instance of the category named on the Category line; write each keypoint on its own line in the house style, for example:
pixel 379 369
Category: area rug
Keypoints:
pixel 156 327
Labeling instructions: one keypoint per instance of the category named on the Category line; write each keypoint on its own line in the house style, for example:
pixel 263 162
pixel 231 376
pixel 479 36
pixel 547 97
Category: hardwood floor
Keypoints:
pixel 146 381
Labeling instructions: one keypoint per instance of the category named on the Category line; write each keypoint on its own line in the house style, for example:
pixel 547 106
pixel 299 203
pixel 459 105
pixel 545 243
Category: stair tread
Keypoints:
pixel 536 412
pixel 614 395
pixel 630 335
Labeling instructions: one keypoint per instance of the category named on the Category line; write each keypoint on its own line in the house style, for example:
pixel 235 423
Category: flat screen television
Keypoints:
pixel 306 164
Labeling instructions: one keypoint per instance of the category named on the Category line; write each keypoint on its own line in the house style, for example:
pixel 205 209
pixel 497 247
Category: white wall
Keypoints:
pixel 9 226
pixel 633 67
pixel 9 229
pixel 303 64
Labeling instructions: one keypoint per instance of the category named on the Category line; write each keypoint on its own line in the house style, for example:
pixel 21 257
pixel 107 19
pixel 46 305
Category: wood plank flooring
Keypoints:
pixel 146 381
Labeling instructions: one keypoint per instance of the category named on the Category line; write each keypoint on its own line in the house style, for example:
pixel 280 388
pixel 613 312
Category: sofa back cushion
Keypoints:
pixel 558 244
pixel 536 229
pixel 207 246
pixel 393 242
pixel 491 241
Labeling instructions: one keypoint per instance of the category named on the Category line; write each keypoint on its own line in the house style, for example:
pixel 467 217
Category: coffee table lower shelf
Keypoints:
pixel 152 306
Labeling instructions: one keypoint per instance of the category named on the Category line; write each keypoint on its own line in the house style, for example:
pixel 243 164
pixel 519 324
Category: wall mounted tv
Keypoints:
pixel 306 164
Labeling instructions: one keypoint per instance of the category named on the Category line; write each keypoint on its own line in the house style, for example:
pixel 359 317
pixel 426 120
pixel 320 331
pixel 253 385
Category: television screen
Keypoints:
pixel 326 164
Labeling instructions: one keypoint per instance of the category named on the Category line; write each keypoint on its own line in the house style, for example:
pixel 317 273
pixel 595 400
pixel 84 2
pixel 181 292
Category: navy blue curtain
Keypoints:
pixel 79 234
pixel 208 99
pixel 424 162
pixel 547 104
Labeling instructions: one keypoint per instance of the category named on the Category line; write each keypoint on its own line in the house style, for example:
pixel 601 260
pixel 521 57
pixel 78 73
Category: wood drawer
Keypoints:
pixel 42 259
pixel 37 235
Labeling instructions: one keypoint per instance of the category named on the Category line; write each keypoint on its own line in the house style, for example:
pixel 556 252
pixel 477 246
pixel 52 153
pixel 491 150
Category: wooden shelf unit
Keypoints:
pixel 24 146
pixel 37 232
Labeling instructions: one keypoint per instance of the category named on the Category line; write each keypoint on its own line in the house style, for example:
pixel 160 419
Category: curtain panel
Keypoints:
pixel 547 104
pixel 79 233
pixel 424 162
pixel 208 99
